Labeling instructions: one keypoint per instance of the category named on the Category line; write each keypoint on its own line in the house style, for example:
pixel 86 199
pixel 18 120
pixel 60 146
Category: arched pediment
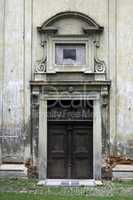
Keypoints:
pixel 65 21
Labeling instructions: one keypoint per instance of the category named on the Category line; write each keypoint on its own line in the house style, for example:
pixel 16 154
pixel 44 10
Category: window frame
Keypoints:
pixel 52 67
pixel 74 44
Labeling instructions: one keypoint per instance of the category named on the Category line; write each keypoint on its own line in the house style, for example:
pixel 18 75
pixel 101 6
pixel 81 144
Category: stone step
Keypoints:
pixel 13 171
pixel 123 172
pixel 69 182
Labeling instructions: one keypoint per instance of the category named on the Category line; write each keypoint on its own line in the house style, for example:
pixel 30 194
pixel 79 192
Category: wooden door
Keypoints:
pixel 70 150
pixel 57 151
pixel 82 151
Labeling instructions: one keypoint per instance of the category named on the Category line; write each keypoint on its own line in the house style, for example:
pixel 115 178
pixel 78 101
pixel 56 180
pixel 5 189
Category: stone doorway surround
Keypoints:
pixel 58 81
pixel 74 90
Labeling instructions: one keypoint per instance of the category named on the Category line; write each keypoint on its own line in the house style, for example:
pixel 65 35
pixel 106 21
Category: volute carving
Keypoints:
pixel 99 65
pixel 41 66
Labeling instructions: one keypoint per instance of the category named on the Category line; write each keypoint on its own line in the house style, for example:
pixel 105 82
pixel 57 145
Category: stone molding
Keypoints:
pixel 92 25
pixel 89 36
pixel 97 137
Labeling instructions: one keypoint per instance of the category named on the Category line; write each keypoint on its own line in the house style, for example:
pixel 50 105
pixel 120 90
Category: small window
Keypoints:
pixel 70 54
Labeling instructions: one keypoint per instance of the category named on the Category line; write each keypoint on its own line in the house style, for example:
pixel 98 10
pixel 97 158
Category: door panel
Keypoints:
pixel 82 166
pixel 56 151
pixel 70 150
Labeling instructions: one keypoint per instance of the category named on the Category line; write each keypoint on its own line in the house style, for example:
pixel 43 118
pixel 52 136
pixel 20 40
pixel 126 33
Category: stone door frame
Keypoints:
pixel 97 132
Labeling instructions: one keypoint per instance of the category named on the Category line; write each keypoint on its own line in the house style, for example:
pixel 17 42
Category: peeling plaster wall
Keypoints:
pixel 14 77
pixel 20 48
pixel 125 78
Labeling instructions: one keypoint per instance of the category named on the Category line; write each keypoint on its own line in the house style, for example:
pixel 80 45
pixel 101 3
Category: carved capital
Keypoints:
pixel 104 95
pixel 104 91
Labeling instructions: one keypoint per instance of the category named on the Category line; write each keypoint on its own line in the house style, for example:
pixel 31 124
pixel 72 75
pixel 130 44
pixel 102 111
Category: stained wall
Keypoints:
pixel 20 48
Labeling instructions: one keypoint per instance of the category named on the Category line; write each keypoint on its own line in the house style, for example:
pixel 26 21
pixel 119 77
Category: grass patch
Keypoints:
pixel 17 196
pixel 26 189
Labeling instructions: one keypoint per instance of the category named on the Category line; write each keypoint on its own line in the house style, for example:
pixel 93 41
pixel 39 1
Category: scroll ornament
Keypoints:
pixel 41 66
pixel 99 65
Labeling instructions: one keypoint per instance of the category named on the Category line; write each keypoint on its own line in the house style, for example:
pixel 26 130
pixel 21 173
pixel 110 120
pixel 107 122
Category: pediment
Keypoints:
pixel 70 23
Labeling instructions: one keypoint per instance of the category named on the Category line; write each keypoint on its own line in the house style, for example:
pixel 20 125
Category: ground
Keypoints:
pixel 16 189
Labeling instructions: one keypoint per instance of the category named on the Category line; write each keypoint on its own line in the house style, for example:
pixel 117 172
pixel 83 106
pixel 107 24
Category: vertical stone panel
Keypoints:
pixel 35 127
pixel 27 73
pixel 113 72
pixel 97 140
pixel 42 149
pixel 125 78
pixel 2 15
pixel 13 88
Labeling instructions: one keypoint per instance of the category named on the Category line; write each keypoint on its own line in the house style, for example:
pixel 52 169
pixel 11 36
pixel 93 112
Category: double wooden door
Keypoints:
pixel 70 150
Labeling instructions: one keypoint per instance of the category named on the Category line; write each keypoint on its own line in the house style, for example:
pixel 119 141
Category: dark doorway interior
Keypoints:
pixel 70 141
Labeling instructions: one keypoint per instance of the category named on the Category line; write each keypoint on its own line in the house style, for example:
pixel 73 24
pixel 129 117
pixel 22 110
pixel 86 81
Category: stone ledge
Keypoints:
pixel 13 171
pixel 123 172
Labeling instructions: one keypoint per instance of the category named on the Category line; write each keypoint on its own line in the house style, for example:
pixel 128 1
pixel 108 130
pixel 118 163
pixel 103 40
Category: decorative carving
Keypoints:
pixel 104 95
pixel 41 66
pixel 92 25
pixel 72 92
pixel 105 91
pixel 70 89
pixel 99 65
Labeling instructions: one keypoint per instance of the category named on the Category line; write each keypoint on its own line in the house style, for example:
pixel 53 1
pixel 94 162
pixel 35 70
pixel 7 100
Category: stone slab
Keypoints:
pixel 12 170
pixel 69 182
pixel 123 168
pixel 122 172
